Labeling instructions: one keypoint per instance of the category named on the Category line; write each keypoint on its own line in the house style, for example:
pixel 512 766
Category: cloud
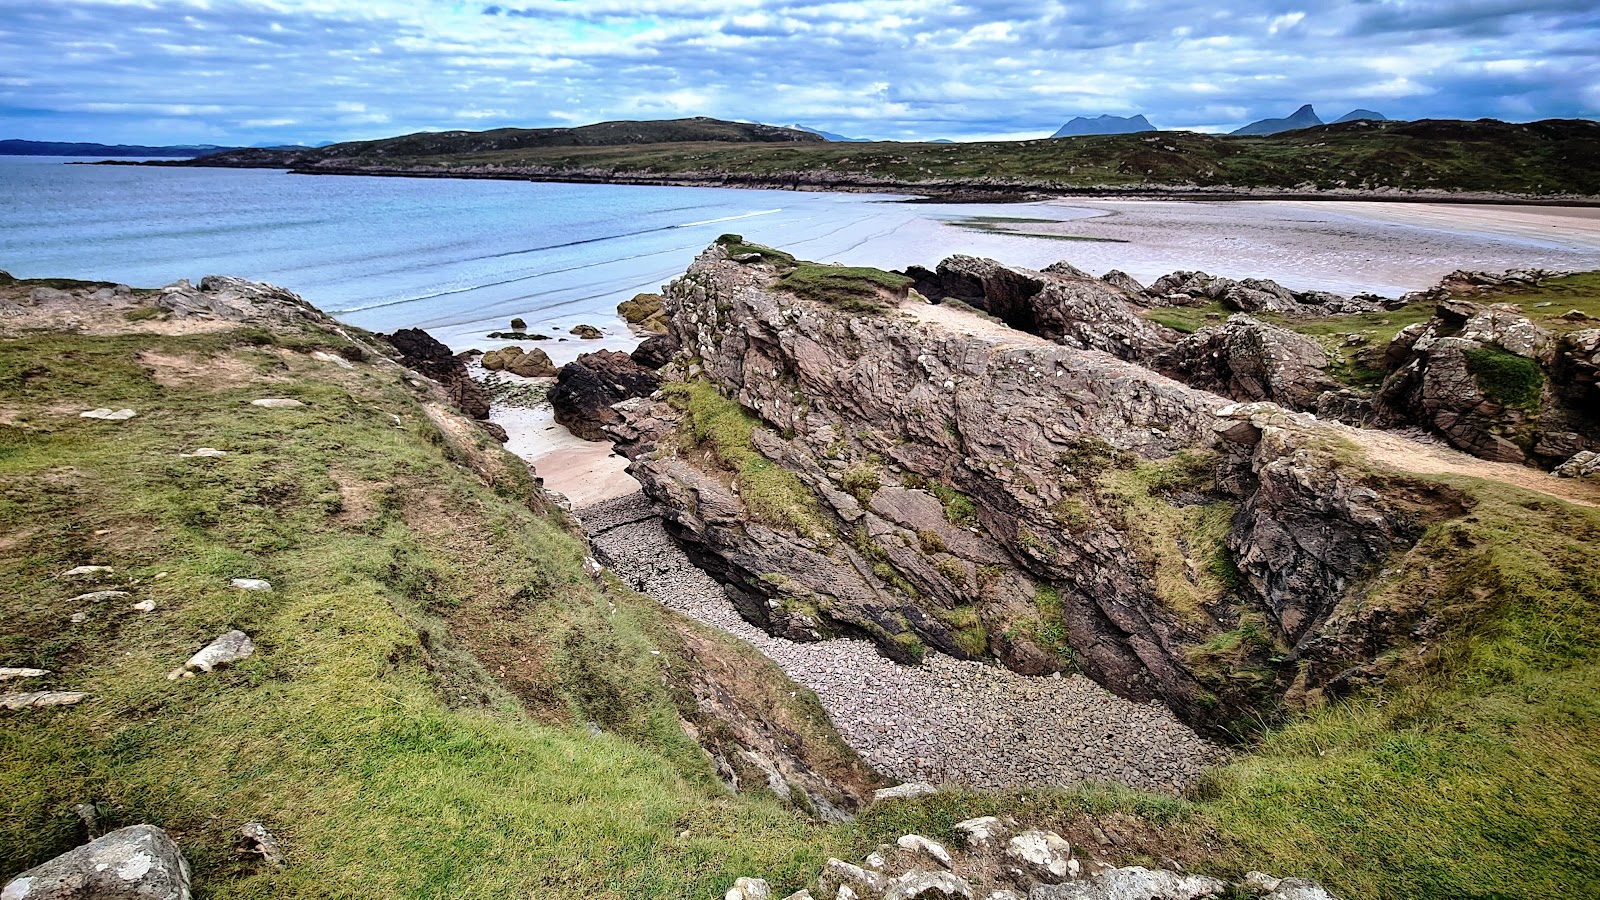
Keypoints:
pixel 248 71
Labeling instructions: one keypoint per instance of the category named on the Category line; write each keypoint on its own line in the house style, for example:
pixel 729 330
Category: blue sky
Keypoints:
pixel 251 71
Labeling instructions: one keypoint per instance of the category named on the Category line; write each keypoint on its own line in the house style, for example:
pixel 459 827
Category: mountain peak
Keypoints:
pixel 1304 117
pixel 1104 124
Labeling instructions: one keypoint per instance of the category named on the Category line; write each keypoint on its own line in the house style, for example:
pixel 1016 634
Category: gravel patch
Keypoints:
pixel 947 721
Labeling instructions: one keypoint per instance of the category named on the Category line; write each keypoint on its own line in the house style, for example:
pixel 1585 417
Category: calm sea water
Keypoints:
pixel 460 258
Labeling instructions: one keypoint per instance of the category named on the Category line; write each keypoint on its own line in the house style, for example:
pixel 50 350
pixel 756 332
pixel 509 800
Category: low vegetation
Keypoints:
pixel 856 289
pixel 1506 378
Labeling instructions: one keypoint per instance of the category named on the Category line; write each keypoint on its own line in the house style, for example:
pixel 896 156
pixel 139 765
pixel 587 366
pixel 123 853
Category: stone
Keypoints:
pixel 7 673
pixel 251 584
pixel 1299 889
pixel 655 351
pixel 144 606
pixel 86 571
pixel 89 815
pixel 916 843
pixel 1005 894
pixel 1584 463
pixel 983 831
pixel 140 862
pixel 98 596
pixel 749 889
pixel 1124 282
pixel 644 313
pixel 109 415
pixel 587 332
pixel 336 359
pixel 203 452
pixel 225 650
pixel 534 363
pixel 838 874
pixel 277 403
pixel 1260 882
pixel 1044 855
pixel 1133 883
pixel 802 894
pixel 1247 359
pixel 426 355
pixel 904 791
pixel 589 386
pixel 254 838
pixel 31 699
pixel 920 885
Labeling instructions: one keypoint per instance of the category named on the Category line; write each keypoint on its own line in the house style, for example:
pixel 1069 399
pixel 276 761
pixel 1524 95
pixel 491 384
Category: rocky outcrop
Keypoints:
pixel 588 386
pixel 1492 383
pixel 655 351
pixel 420 351
pixel 644 314
pixel 1061 303
pixel 1252 295
pixel 1045 504
pixel 998 861
pixel 140 862
pixel 1249 360
pixel 534 363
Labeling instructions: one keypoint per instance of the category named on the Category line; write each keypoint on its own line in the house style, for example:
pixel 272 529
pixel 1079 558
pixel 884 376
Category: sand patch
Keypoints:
pixel 185 371
pixel 357 496
pixel 585 472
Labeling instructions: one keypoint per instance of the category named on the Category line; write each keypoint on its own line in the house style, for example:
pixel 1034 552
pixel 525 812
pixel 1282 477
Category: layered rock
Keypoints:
pixel 1252 295
pixel 587 388
pixel 1492 383
pixel 1250 360
pixel 420 351
pixel 1043 503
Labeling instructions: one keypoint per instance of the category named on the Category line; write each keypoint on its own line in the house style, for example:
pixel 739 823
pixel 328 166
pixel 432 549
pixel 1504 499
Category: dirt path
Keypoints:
pixel 1395 451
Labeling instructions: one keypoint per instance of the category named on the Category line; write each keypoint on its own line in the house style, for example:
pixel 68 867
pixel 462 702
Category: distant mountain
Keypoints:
pixel 59 148
pixel 831 136
pixel 1104 124
pixel 1356 115
pixel 1304 117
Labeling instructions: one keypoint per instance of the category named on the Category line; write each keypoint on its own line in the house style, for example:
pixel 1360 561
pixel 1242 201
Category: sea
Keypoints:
pixel 460 258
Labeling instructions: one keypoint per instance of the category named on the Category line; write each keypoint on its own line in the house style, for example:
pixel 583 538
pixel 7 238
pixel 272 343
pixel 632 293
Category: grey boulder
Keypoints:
pixel 140 862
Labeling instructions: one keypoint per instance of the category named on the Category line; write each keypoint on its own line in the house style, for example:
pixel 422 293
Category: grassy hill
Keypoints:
pixel 1553 157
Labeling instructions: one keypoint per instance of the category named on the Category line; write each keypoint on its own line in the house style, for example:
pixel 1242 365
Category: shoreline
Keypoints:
pixel 943 192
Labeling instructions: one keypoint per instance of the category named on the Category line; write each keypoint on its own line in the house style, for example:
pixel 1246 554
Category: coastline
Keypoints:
pixel 941 191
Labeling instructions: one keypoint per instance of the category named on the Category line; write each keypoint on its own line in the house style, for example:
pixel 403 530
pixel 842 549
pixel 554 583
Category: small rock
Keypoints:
pixel 587 332
pixel 277 403
pixel 89 815
pixel 1044 854
pixel 109 415
pixel 255 838
pixel 749 889
pixel 140 862
pixel 86 571
pixel 916 843
pixel 230 648
pixel 1130 882
pixel 838 875
pixel 203 452
pixel 1005 895
pixel 875 861
pixel 97 596
pixel 334 358
pixel 252 584
pixel 802 894
pixel 904 791
pixel 1299 889
pixel 919 885
pixel 7 673
pixel 982 831
pixel 78 618
pixel 1260 882
pixel 145 606
pixel 35 699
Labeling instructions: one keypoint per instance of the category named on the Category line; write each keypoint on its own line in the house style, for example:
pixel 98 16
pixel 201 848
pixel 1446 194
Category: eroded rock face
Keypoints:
pixel 1248 360
pixel 140 862
pixel 993 495
pixel 588 386
pixel 1494 384
pixel 1252 295
pixel 419 350
pixel 655 351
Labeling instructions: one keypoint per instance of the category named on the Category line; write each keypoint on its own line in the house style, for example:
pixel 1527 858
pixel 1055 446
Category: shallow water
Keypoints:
pixel 461 257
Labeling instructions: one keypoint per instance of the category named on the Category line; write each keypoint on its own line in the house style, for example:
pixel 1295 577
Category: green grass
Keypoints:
pixel 1187 319
pixel 858 289
pixel 735 245
pixel 1506 378
pixel 411 723
pixel 772 494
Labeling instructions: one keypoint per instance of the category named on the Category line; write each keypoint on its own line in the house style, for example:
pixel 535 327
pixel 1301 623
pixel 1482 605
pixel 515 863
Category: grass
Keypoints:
pixel 735 245
pixel 1506 378
pixel 412 721
pixel 1187 319
pixel 857 289
pixel 773 495
pixel 958 507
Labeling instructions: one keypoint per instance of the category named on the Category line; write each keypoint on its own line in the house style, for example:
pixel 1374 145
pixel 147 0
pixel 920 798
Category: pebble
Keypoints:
pixel 947 721
pixel 277 403
pixel 107 414
pixel 84 571
pixel 203 452
pixel 252 584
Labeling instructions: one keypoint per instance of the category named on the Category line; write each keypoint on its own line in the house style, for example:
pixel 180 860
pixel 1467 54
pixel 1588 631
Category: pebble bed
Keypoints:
pixel 947 721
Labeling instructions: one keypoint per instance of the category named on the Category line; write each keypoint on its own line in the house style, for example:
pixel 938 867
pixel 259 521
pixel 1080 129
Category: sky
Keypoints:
pixel 242 72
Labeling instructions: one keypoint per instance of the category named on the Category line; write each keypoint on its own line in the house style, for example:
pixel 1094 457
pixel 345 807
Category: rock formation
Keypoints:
pixel 587 388
pixel 1251 295
pixel 879 476
pixel 533 363
pixel 1248 359
pixel 140 862
pixel 420 351
pixel 643 313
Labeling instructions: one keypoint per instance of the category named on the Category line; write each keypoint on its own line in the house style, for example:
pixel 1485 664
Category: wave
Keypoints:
pixel 751 215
